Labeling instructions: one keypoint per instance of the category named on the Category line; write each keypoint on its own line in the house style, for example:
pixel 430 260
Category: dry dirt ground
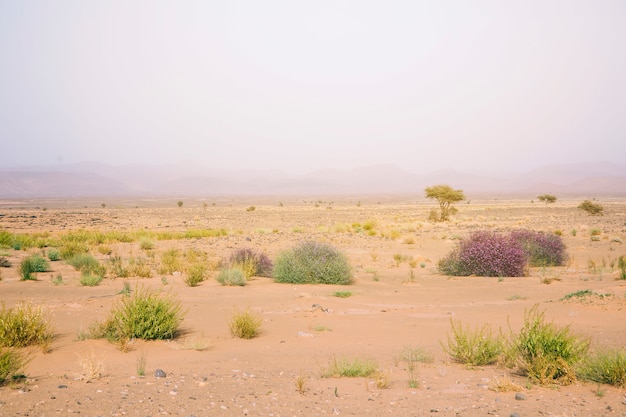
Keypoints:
pixel 394 305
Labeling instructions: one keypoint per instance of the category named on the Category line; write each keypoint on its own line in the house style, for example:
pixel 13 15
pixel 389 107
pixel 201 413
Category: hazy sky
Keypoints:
pixel 304 85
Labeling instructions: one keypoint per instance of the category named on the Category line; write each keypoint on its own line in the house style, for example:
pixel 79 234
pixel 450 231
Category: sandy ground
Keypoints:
pixel 393 306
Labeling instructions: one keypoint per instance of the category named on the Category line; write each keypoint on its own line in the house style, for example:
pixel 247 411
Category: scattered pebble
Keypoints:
pixel 159 373
pixel 519 396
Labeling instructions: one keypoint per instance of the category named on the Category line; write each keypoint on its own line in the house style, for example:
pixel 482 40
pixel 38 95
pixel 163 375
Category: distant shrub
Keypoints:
pixel 486 254
pixel 31 265
pixel 591 208
pixel 24 325
pixel 547 198
pixel 542 249
pixel 252 263
pixel 548 353
pixel 232 276
pixel 11 363
pixel 606 367
pixel 312 263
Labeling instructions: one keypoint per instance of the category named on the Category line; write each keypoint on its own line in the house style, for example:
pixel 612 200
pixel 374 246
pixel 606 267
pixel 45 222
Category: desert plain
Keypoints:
pixel 398 301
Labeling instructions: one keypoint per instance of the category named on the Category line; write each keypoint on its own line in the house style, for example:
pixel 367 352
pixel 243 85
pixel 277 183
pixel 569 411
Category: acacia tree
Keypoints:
pixel 547 198
pixel 445 196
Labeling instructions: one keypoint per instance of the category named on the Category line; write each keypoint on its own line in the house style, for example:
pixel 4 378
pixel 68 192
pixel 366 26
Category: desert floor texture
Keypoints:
pixel 399 300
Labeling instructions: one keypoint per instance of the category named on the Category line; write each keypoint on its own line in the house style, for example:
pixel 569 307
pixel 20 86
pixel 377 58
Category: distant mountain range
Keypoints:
pixel 95 180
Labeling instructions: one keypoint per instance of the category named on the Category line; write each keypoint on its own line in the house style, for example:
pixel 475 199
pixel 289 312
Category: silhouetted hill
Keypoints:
pixel 92 179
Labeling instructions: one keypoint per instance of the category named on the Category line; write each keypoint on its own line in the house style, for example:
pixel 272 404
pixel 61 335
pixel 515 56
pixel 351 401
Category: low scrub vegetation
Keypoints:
pixel 232 277
pixel 593 209
pixel 606 367
pixel 252 263
pixel 24 325
pixel 490 254
pixel 245 324
pixel 146 314
pixel 87 264
pixel 351 368
pixel 545 352
pixel 11 364
pixel 312 263
pixel 473 348
pixel 31 265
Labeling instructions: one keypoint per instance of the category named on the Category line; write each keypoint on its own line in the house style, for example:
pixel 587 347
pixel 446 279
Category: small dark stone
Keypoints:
pixel 62 387
pixel 514 414
pixel 519 396
pixel 159 373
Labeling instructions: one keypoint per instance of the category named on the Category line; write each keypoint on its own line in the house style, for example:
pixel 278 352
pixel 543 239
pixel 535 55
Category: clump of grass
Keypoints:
pixel 301 384
pixel 412 356
pixel 547 353
pixel 245 324
pixel 170 262
pixel 621 265
pixel 232 277
pixel 357 367
pixel 312 263
pixel 473 348
pixel 145 243
pixel 606 367
pixel 252 263
pixel 11 364
pixel 24 325
pixel 87 264
pixel 87 279
pixel 92 366
pixel 196 274
pixel 342 294
pixel 141 363
pixel 54 254
pixel 31 265
pixel 146 314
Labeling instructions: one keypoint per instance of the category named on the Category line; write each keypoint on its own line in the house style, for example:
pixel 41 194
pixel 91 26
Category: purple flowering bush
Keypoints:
pixel 490 254
pixel 251 263
pixel 542 249
pixel 312 263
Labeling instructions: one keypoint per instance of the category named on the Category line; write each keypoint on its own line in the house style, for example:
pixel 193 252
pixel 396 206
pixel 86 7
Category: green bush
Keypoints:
pixel 145 315
pixel 24 325
pixel 232 276
pixel 606 367
pixel 11 363
pixel 31 265
pixel 245 325
pixel 475 348
pixel 547 353
pixel 87 264
pixel 313 263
